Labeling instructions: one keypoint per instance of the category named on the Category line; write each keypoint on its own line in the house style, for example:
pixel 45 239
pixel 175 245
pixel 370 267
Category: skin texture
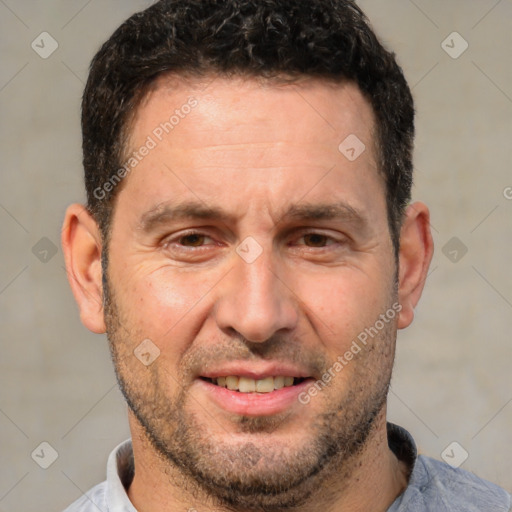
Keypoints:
pixel 253 149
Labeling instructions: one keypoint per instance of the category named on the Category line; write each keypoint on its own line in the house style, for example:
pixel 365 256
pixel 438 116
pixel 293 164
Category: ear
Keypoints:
pixel 82 245
pixel 416 250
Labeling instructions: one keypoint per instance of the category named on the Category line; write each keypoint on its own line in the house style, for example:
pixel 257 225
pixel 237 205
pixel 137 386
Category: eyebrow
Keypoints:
pixel 166 213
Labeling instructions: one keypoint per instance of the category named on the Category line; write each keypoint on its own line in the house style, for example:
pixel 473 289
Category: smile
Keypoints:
pixel 248 385
pixel 263 396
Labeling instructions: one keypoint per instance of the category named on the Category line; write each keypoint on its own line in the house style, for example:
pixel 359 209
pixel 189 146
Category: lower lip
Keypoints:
pixel 254 404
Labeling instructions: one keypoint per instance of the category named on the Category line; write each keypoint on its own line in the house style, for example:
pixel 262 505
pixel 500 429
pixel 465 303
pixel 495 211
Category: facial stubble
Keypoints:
pixel 253 475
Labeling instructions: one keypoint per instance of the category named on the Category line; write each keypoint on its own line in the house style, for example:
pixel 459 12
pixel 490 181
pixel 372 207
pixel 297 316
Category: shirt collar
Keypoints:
pixel 120 472
pixel 402 444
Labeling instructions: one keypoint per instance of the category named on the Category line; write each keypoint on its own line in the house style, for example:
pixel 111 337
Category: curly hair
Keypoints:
pixel 326 39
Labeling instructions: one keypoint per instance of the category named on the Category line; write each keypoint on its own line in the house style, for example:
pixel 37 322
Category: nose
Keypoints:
pixel 256 299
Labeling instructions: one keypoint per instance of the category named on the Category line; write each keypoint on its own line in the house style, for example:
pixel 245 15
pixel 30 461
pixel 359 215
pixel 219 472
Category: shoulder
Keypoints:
pixel 92 501
pixel 437 486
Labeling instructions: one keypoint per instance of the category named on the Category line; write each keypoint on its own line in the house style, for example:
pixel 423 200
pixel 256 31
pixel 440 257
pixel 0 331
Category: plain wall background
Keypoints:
pixel 452 378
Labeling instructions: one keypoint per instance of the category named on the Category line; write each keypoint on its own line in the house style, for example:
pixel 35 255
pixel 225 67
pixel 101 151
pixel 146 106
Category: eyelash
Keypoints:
pixel 199 233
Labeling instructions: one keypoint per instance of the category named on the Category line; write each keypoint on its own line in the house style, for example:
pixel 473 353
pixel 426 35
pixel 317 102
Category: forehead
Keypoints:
pixel 243 109
pixel 240 140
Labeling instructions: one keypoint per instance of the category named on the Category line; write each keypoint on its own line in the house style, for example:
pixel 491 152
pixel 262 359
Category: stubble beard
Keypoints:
pixel 251 475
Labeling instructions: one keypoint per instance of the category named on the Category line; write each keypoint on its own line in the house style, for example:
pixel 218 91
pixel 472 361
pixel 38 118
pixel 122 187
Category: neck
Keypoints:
pixel 376 478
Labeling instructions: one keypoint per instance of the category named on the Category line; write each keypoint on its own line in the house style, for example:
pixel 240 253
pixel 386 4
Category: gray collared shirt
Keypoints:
pixel 434 486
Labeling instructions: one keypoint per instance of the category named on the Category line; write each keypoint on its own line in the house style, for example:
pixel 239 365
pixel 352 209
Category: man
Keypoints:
pixel 250 249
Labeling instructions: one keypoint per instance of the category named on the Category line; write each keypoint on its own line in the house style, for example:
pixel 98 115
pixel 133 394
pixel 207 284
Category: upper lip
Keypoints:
pixel 255 371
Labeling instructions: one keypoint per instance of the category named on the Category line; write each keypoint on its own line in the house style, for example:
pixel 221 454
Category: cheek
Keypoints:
pixel 163 304
pixel 342 303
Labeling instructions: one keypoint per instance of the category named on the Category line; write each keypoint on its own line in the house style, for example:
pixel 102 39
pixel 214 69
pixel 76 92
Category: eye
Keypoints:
pixel 195 239
pixel 191 240
pixel 315 240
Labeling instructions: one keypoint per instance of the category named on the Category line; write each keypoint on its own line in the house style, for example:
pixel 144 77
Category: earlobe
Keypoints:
pixel 416 250
pixel 82 246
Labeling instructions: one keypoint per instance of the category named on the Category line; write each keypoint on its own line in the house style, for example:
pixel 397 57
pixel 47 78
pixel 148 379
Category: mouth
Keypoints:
pixel 249 385
pixel 263 396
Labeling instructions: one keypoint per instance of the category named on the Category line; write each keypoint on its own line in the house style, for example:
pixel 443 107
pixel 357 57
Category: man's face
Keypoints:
pixel 260 293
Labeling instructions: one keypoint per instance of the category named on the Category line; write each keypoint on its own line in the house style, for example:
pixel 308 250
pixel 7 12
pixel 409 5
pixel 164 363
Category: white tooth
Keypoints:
pixel 246 385
pixel 288 381
pixel 232 383
pixel 278 382
pixel 265 385
pixel 221 381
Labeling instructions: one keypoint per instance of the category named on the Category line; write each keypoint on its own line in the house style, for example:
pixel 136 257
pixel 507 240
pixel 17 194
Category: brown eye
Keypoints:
pixel 195 239
pixel 189 242
pixel 316 239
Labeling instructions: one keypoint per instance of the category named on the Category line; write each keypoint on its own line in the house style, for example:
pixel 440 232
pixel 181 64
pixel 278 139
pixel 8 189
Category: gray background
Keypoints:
pixel 452 377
